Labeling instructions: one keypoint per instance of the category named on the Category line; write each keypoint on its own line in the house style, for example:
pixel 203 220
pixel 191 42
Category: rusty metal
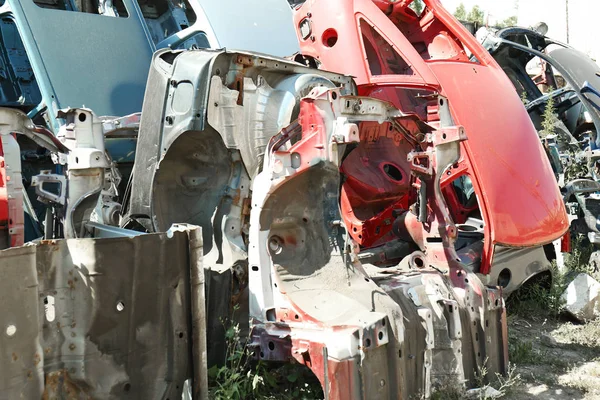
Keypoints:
pixel 101 318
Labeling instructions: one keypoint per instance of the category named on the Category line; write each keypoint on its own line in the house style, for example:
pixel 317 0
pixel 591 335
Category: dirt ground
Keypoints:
pixel 556 359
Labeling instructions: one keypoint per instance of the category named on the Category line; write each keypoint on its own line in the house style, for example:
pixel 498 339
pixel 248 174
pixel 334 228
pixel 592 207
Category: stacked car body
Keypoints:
pixel 366 222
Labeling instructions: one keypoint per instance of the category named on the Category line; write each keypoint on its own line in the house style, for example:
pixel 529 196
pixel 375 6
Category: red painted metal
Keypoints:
pixel 11 213
pixel 398 56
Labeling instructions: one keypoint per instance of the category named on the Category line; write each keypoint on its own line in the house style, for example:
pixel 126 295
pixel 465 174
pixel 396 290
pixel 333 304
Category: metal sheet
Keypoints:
pixel 86 59
pixel 260 25
pixel 98 318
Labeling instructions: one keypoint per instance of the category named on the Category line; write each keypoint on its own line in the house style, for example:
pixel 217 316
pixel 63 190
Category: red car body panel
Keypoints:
pixel 515 186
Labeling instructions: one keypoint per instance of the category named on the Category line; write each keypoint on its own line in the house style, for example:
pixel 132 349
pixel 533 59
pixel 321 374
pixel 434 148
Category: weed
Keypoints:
pixel 578 260
pixel 541 296
pixel 521 352
pixel 549 119
pixel 524 98
pixel 508 382
pixel 236 379
pixel 504 384
pixel 241 378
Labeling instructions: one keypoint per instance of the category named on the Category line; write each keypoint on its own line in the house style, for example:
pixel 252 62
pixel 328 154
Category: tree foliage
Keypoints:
pixel 476 15
pixel 510 21
pixel 461 12
pixel 417 6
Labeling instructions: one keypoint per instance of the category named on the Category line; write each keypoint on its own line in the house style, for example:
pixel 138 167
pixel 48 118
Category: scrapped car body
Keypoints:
pixel 366 332
pixel 407 59
pixel 281 136
pixel 364 223
pixel 572 146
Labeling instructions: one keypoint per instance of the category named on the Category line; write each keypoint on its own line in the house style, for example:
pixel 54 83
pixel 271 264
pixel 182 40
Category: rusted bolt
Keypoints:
pixel 72 346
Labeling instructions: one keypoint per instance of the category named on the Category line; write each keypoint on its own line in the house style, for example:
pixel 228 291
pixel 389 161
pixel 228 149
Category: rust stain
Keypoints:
pixel 246 206
pixel 15 357
pixel 36 359
pixel 236 196
pixel 59 385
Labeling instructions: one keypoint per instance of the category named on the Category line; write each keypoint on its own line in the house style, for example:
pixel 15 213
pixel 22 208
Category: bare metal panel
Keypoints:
pixel 82 59
pixel 98 318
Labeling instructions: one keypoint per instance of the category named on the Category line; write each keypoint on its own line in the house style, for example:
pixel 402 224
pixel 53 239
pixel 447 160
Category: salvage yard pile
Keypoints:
pixel 364 203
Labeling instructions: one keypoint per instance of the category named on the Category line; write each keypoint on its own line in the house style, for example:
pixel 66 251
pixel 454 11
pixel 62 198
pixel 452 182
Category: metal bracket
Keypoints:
pixel 47 177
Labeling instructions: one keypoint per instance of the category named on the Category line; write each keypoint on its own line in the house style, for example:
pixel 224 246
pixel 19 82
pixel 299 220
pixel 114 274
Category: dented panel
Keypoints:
pixel 98 318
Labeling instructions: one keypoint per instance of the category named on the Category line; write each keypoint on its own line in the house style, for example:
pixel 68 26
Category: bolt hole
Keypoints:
pixel 82 117
pixel 11 330
pixel 333 95
pixel 444 136
pixel 127 387
pixel 330 37
pixel 180 335
pixel 392 172
pixel 380 335
pixel 262 355
pixel 419 262
pixel 368 342
pixel 271 346
pixel 254 268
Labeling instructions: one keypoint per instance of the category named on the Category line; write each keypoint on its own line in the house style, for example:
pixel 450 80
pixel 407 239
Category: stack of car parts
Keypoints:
pixel 366 228
pixel 293 133
pixel 572 143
